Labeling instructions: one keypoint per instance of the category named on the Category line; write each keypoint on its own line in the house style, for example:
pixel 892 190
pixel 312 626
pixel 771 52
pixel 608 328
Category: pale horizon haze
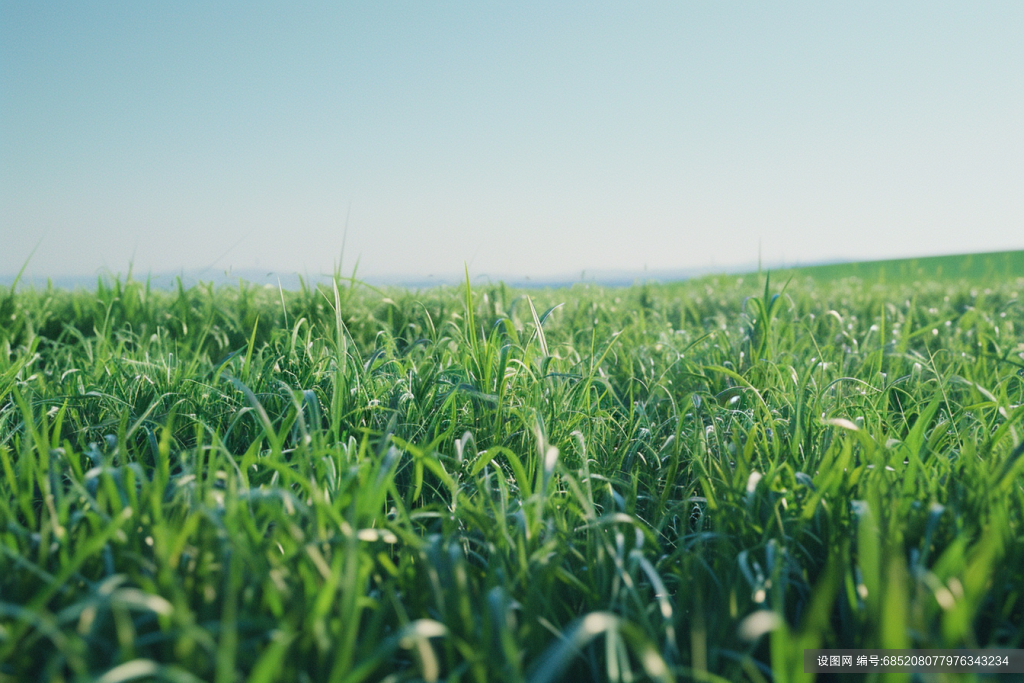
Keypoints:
pixel 522 139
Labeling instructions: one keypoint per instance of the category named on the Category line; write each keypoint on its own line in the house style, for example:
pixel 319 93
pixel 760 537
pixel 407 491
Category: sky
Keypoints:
pixel 518 139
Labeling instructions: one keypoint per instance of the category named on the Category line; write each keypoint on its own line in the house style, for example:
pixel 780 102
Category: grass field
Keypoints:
pixel 667 482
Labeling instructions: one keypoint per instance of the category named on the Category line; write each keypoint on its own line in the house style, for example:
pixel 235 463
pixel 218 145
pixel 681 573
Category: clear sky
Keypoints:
pixel 522 138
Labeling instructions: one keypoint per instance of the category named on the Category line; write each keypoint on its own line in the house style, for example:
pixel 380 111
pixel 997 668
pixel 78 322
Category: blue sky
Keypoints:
pixel 521 138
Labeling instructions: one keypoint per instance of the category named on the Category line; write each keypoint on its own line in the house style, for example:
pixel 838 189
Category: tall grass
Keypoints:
pixel 694 481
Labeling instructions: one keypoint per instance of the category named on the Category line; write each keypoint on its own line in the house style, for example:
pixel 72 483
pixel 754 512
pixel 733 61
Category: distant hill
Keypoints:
pixel 995 265
pixel 982 266
pixel 291 281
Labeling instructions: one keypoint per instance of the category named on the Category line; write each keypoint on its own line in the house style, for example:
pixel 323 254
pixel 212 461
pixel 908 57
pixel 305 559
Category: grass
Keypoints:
pixel 690 481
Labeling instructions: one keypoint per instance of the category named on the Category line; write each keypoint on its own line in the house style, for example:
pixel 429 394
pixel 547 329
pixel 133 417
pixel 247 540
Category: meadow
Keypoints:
pixel 692 481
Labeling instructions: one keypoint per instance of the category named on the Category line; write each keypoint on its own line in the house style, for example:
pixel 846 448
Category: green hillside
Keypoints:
pixel 990 266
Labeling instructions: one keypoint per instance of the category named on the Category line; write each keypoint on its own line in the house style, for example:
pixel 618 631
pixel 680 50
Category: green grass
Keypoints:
pixel 691 481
